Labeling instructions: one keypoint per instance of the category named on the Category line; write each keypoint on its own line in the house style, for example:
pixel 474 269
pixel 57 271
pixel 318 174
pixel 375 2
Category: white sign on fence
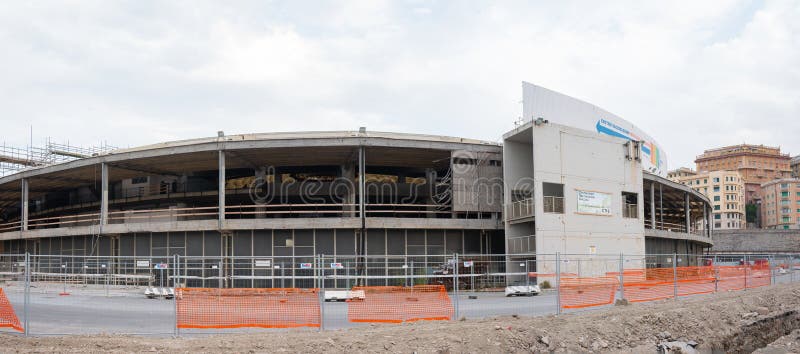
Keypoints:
pixel 337 266
pixel 305 266
pixel 161 266
pixel 591 202
pixel 262 263
pixel 144 264
pixel 468 264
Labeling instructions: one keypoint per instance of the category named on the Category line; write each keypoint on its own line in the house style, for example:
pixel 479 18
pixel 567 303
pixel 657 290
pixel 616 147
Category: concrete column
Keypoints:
pixel 430 179
pixel 103 195
pixel 348 173
pixel 705 220
pixel 261 179
pixel 653 205
pixel 221 188
pixel 24 206
pixel 362 185
pixel 661 203
pixel 687 210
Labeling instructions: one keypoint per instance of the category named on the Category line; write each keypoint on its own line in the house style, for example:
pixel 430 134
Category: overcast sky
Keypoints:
pixel 693 74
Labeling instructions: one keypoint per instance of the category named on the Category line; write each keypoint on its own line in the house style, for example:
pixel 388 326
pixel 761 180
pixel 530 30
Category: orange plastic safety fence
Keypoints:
pixel 396 304
pixel 730 278
pixel 661 283
pixel 758 276
pixel 8 318
pixel 236 308
pixel 587 291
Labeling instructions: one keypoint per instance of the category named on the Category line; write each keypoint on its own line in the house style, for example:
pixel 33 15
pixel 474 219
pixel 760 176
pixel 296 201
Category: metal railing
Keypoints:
pixel 520 209
pixel 553 204
pixel 61 294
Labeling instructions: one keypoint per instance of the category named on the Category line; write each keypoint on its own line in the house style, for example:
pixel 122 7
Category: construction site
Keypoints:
pixel 345 240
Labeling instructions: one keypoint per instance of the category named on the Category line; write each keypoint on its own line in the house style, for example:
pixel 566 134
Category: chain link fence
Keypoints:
pixel 180 295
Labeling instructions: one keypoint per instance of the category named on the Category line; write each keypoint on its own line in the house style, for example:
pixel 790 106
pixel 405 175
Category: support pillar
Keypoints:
pixel 24 206
pixel 261 180
pixel 653 205
pixel 362 189
pixel 687 211
pixel 221 189
pixel 706 226
pixel 103 196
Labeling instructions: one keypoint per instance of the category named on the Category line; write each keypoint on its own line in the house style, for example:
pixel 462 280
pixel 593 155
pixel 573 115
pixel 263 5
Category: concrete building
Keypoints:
pixel 756 163
pixel 780 207
pixel 348 194
pixel 578 191
pixel 354 195
pixel 795 165
pixel 680 172
pixel 725 189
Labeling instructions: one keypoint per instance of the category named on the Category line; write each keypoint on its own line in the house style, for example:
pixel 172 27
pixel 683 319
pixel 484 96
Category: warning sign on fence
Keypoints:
pixel 305 266
pixel 161 266
pixel 468 264
pixel 337 266
pixel 262 263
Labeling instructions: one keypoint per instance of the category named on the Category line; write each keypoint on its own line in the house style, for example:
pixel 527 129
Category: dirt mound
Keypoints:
pixel 734 322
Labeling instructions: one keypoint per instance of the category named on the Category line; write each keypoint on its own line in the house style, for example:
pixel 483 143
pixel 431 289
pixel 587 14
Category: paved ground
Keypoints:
pixel 89 310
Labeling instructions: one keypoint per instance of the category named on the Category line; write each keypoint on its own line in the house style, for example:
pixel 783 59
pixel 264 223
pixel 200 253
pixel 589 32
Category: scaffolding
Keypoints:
pixel 14 159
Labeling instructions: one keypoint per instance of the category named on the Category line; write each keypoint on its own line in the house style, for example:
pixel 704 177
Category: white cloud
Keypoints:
pixel 695 75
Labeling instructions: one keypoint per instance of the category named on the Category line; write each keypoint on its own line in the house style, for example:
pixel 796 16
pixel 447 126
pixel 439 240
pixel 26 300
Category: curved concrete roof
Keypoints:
pixel 269 140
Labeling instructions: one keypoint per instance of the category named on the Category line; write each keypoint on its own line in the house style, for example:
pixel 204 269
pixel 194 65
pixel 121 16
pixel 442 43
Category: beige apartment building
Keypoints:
pixel 757 164
pixel 781 204
pixel 725 189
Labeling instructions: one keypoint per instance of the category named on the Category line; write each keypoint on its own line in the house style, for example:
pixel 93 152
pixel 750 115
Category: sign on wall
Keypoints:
pixel 591 202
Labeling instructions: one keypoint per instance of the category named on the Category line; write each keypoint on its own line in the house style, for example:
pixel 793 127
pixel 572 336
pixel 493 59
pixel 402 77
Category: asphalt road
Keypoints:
pixel 90 310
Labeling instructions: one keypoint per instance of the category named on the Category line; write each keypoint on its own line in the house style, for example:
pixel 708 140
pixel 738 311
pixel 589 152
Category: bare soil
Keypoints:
pixel 740 321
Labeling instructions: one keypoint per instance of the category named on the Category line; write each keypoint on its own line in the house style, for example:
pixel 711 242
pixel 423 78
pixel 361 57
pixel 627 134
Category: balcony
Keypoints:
pixel 519 211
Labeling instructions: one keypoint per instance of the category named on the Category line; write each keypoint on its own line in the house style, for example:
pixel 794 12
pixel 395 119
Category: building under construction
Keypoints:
pixel 351 193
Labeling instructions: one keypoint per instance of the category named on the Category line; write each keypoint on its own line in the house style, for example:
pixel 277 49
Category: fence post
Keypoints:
pixel 455 284
pixel 621 275
pixel 771 267
pixel 716 273
pixel 321 273
pixel 558 283
pixel 175 286
pixel 675 275
pixel 745 265
pixel 27 292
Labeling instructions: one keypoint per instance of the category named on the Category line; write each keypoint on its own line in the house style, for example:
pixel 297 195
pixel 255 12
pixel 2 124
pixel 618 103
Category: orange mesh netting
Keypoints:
pixel 730 278
pixel 588 291
pixel 395 304
pixel 8 318
pixel 660 283
pixel 235 308
pixel 758 277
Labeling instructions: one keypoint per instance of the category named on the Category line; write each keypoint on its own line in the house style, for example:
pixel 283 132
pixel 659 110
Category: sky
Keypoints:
pixel 692 74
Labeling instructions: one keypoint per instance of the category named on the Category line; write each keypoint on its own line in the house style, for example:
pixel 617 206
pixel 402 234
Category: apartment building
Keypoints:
pixel 795 165
pixel 781 204
pixel 725 190
pixel 757 164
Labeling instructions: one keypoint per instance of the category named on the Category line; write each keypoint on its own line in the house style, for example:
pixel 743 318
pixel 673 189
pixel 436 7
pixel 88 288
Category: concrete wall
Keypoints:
pixel 756 241
pixel 583 160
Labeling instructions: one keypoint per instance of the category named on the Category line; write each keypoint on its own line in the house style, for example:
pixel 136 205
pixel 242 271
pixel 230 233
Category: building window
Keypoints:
pixel 717 216
pixel 139 180
pixel 716 207
pixel 716 198
pixel 716 188
pixel 553 197
pixel 630 205
pixel 784 194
